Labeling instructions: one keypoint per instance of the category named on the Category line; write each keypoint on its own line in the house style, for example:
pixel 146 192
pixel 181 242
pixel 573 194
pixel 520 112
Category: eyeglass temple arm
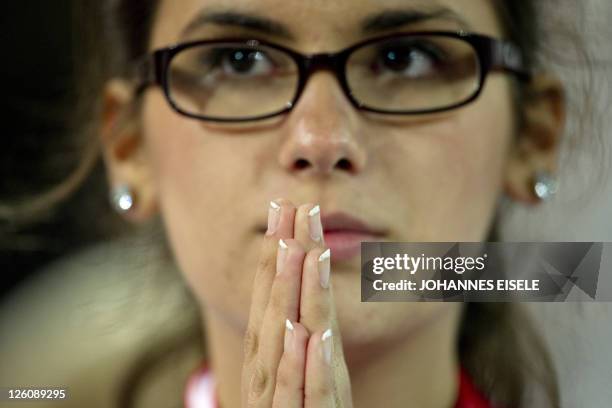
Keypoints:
pixel 146 73
pixel 508 57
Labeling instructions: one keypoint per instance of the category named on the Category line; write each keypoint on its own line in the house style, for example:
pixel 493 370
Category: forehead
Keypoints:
pixel 317 24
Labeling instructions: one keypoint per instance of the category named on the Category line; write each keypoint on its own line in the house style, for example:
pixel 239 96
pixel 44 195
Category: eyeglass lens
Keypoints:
pixel 403 74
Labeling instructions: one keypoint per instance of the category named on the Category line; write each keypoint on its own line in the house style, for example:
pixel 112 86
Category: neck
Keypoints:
pixel 421 371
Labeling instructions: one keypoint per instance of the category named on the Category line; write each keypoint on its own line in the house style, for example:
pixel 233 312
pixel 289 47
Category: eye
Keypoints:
pixel 243 62
pixel 408 60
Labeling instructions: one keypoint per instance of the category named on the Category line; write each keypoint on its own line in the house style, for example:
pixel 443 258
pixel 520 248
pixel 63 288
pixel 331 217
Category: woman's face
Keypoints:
pixel 434 178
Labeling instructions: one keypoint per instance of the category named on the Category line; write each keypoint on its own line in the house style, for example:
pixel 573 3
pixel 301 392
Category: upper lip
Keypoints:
pixel 340 221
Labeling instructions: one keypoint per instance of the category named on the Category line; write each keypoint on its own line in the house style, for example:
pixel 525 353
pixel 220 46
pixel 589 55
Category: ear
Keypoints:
pixel 537 144
pixel 124 150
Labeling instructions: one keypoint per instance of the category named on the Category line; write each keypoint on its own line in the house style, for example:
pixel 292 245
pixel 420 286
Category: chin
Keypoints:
pixel 375 324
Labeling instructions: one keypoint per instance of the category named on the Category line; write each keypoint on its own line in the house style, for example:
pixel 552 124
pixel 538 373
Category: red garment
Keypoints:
pixel 469 396
pixel 200 391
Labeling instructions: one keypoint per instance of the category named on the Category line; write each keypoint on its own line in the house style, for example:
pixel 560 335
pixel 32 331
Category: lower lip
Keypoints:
pixel 345 245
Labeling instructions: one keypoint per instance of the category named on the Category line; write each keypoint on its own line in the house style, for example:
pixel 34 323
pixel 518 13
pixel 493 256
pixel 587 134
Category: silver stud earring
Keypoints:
pixel 545 186
pixel 122 198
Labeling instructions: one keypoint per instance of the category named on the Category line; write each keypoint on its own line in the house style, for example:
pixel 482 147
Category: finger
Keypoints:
pixel 281 214
pixel 289 392
pixel 317 307
pixel 315 298
pixel 283 304
pixel 319 380
pixel 307 228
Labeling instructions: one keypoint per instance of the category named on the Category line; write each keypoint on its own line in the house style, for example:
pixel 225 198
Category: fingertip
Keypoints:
pixel 300 332
pixel 317 254
pixel 294 248
pixel 284 202
pixel 317 263
pixel 286 207
pixel 290 256
pixel 296 339
pixel 287 216
pixel 293 244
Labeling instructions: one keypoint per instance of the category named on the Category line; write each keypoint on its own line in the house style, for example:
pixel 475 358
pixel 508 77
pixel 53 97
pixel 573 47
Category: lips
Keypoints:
pixel 344 233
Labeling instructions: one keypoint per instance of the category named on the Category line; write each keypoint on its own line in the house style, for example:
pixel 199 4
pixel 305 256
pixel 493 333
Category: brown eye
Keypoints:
pixel 412 61
pixel 244 62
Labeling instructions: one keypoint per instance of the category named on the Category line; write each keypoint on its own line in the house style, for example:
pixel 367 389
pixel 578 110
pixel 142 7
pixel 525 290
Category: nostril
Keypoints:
pixel 301 164
pixel 344 164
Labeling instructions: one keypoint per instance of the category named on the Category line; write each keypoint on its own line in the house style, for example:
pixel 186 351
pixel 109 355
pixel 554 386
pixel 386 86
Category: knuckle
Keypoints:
pixel 318 312
pixel 266 262
pixel 320 392
pixel 259 383
pixel 284 379
pixel 250 344
pixel 286 375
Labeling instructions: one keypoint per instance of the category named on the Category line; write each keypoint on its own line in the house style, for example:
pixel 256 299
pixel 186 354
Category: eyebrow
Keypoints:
pixel 386 20
pixel 237 19
pixel 391 19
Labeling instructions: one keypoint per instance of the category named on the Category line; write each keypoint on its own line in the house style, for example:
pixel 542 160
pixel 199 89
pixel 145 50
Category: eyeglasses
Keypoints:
pixel 239 80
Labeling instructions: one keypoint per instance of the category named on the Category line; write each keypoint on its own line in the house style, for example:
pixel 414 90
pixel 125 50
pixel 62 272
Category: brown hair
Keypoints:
pixel 498 344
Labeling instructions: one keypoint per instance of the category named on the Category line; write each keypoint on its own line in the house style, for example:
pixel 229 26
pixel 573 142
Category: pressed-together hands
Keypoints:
pixel 293 353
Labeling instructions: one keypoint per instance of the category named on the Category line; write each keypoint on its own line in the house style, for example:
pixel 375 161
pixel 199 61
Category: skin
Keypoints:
pixel 212 184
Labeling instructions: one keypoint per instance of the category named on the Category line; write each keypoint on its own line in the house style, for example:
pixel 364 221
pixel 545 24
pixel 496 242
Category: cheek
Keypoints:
pixel 201 180
pixel 451 168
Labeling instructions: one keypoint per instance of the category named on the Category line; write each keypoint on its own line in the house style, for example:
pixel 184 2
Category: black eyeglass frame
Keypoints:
pixel 493 54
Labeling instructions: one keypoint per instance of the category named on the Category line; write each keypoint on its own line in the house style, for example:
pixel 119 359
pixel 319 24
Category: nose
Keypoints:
pixel 322 133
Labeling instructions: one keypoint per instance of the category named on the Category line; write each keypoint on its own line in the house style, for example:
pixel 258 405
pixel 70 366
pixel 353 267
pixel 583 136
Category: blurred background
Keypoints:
pixel 38 88
pixel 578 36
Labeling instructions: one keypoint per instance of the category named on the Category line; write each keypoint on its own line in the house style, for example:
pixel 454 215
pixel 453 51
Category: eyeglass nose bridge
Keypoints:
pixel 335 63
pixel 322 61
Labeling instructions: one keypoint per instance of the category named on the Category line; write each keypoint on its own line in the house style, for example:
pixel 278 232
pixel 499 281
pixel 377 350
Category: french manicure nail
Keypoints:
pixel 281 255
pixel 288 335
pixel 324 268
pixel 326 342
pixel 314 223
pixel 273 217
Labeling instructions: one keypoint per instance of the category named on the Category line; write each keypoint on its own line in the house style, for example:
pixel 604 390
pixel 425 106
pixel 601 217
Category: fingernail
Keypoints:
pixel 281 255
pixel 324 268
pixel 314 223
pixel 282 244
pixel 273 217
pixel 326 342
pixel 288 335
